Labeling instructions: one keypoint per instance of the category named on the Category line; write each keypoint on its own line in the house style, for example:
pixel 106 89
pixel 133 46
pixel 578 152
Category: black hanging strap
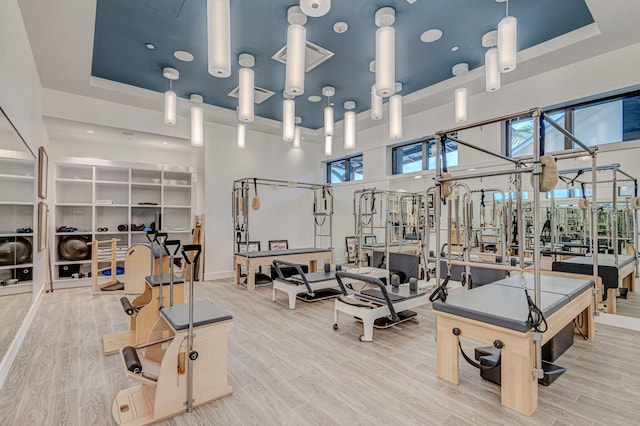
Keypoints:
pixel 440 293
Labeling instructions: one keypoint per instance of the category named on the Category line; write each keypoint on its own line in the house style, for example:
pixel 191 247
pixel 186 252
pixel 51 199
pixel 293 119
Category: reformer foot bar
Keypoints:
pixel 181 365
pixel 381 307
pixel 308 287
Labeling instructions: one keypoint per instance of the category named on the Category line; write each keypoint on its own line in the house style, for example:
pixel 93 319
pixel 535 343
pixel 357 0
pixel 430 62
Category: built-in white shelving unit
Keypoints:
pixel 104 200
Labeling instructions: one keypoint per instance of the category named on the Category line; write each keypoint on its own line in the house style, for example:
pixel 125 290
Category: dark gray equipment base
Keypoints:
pixel 326 293
pixel 488 357
pixel 555 347
pixel 260 280
pixel 114 287
pixel 403 316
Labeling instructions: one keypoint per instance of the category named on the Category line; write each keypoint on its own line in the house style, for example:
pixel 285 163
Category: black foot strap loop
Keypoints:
pixel 440 293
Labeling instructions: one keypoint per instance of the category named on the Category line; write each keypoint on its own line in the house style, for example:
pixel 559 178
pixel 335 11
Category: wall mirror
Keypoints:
pixel 17 242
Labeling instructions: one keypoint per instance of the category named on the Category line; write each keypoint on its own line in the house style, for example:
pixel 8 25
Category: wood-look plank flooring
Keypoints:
pixel 291 368
pixel 629 307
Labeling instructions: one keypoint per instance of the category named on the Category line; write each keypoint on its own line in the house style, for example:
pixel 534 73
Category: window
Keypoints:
pixel 600 122
pixel 421 155
pixel 345 170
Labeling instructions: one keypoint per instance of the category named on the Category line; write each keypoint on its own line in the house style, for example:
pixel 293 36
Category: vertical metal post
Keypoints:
pixel 615 215
pixel 594 225
pixel 536 230
pixel 436 203
pixel 190 337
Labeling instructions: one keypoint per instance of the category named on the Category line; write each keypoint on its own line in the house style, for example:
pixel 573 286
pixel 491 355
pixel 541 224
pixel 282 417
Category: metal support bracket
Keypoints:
pixel 536 336
pixel 538 373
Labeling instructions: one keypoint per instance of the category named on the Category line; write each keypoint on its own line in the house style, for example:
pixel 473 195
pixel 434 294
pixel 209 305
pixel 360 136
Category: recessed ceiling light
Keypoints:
pixel 314 98
pixel 150 46
pixel 455 48
pixel 340 27
pixel 183 55
pixel 90 132
pixel 165 143
pixel 431 35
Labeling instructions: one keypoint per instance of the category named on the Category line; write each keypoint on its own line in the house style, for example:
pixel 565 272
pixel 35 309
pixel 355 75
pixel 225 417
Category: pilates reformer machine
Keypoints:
pixel 181 364
pixel 376 304
pixel 388 221
pixel 504 314
pixel 314 286
pixel 160 290
pixel 322 249
pixel 618 271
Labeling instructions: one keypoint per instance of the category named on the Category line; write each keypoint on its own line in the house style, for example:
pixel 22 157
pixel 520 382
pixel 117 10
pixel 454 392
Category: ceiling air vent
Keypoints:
pixel 314 55
pixel 260 94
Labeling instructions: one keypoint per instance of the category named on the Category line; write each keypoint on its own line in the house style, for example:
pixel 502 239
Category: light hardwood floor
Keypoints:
pixel 291 368
pixel 629 307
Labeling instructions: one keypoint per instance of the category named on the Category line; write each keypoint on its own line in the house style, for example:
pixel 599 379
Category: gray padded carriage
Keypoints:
pixel 570 287
pixel 499 305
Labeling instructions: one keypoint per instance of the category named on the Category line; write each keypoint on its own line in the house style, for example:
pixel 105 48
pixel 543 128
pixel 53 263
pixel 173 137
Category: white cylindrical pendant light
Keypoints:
pixel 395 117
pixel 296 138
pixel 246 95
pixel 492 72
pixel 197 121
pixel 349 130
pixel 288 120
pixel 219 37
pixel 170 101
pixel 461 104
pixel 295 67
pixel 507 43
pixel 328 145
pixel 385 61
pixel 328 121
pixel 349 125
pixel 241 136
pixel 376 104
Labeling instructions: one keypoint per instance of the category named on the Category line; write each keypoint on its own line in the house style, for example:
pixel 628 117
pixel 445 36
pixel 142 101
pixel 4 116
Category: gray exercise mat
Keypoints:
pixel 204 312
pixel 500 305
pixel 570 287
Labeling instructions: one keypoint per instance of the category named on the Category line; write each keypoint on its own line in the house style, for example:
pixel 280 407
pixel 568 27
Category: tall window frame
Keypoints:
pixel 345 169
pixel 519 131
pixel 404 158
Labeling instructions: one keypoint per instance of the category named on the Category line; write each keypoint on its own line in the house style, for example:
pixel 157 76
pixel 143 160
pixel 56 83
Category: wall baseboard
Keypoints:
pixel 221 275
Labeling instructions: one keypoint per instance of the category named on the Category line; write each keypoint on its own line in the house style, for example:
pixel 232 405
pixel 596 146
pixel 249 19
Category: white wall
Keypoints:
pixel 285 213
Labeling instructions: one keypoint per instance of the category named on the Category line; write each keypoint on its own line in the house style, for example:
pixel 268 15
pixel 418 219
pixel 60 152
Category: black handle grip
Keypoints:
pixel 171 243
pixel 151 236
pixel 126 305
pixel 189 248
pixel 131 359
